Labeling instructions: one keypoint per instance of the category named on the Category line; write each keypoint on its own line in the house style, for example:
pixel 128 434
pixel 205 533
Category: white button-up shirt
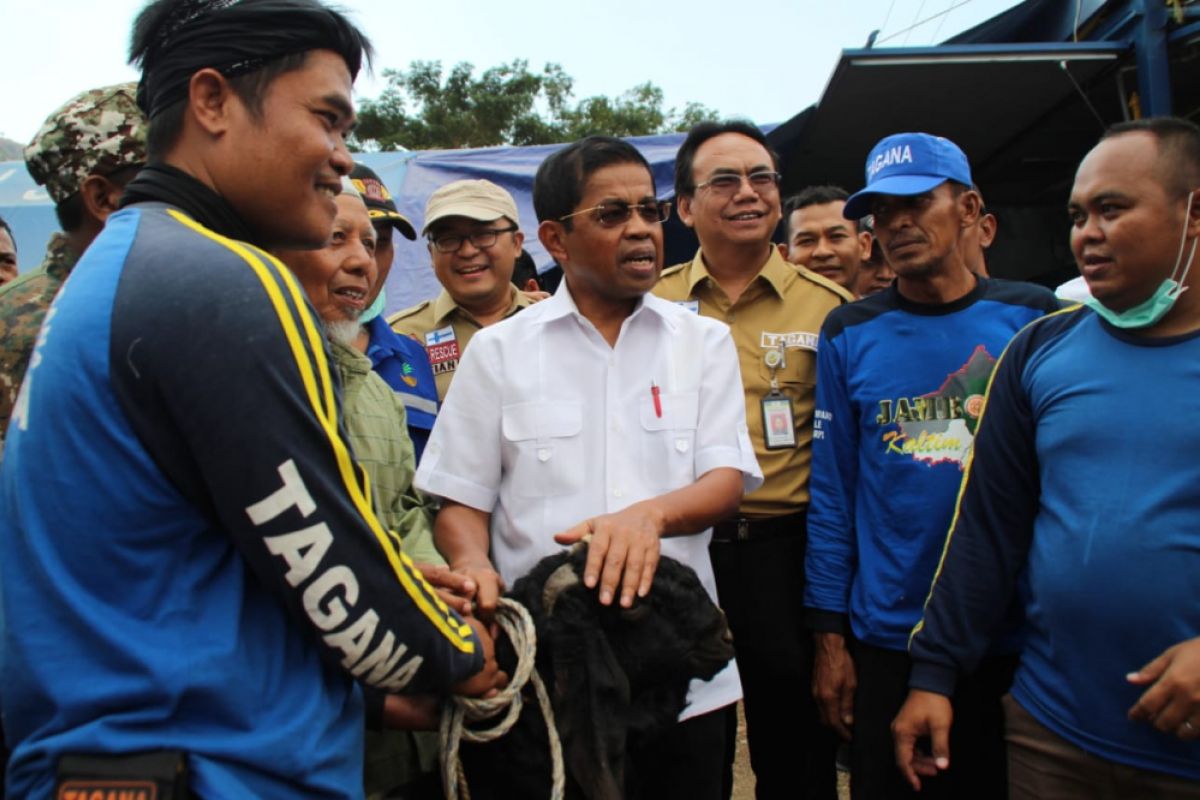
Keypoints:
pixel 546 425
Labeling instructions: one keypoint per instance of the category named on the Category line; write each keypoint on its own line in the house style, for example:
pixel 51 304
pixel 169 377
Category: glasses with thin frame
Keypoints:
pixel 614 213
pixel 481 239
pixel 726 183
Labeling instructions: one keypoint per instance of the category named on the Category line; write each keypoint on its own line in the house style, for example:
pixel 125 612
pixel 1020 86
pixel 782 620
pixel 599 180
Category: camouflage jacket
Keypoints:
pixel 23 306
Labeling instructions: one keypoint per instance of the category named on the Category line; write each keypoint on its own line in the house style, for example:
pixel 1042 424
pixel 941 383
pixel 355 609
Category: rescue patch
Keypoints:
pixel 442 347
pixel 795 340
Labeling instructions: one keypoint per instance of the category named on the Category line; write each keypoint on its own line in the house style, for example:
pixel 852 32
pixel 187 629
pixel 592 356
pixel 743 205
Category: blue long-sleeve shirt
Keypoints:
pixel 189 556
pixel 899 390
pixel 1083 501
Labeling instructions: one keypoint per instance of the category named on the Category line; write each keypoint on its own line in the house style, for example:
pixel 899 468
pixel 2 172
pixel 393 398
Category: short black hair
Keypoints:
pixel 810 196
pixel 685 181
pixel 160 18
pixel 70 210
pixel 1178 148
pixel 558 185
pixel 523 270
pixel 5 226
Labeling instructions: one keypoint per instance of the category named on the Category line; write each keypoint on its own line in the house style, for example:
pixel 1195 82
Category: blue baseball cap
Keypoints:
pixel 908 164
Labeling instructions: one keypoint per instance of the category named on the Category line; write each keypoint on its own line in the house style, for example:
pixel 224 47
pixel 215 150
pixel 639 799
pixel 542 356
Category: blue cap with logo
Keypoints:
pixel 908 164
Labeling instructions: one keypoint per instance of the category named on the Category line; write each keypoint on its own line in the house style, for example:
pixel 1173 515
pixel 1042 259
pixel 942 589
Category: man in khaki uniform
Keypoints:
pixel 474 240
pixel 727 190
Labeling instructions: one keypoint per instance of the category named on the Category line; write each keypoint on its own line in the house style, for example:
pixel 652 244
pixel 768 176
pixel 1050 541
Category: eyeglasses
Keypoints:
pixel 481 239
pixel 616 213
pixel 730 182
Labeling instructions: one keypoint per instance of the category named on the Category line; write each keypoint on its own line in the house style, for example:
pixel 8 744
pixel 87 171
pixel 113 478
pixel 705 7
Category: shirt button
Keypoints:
pixel 730 317
pixel 681 445
pixel 618 493
pixel 543 454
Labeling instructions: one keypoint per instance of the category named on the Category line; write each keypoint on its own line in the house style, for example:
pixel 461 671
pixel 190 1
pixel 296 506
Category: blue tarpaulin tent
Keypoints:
pixel 410 175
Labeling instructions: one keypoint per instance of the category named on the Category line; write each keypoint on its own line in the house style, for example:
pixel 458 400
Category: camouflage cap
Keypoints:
pixel 95 133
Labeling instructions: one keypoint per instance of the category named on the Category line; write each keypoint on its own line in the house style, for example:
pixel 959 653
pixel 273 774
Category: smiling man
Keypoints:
pixel 1086 518
pixel 205 577
pixel 622 419
pixel 900 385
pixel 819 237
pixel 727 184
pixel 474 240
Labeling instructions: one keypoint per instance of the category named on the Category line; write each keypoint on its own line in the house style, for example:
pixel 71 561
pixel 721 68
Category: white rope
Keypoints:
pixel 515 621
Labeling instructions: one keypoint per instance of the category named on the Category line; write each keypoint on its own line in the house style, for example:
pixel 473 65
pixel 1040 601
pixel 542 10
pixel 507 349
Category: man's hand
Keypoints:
pixel 624 550
pixel 455 588
pixel 833 683
pixel 1172 703
pixel 416 712
pixel 923 714
pixel 486 582
pixel 488 680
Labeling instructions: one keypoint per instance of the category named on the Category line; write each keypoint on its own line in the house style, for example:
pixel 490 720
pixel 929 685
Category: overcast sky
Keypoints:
pixel 765 60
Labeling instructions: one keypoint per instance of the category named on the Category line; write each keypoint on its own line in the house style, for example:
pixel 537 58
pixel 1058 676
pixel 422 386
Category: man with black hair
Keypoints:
pixel 624 421
pixel 84 154
pixel 1082 504
pixel 900 384
pixel 818 237
pixel 203 575
pixel 727 185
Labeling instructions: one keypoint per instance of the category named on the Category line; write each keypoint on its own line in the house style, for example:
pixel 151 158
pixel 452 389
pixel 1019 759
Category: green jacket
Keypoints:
pixel 376 427
pixel 375 423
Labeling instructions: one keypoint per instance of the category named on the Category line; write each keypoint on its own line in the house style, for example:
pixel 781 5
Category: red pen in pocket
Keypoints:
pixel 657 399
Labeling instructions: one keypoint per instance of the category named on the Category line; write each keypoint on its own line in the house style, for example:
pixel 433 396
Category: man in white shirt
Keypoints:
pixel 602 410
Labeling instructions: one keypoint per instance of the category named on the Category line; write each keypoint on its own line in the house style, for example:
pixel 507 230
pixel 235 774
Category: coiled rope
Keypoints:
pixel 515 621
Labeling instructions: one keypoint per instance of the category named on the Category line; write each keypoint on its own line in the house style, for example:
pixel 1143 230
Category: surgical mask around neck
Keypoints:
pixel 1155 307
pixel 375 309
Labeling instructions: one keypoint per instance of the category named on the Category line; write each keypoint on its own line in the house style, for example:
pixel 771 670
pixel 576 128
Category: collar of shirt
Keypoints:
pixel 562 304
pixel 444 306
pixel 776 272
pixel 60 259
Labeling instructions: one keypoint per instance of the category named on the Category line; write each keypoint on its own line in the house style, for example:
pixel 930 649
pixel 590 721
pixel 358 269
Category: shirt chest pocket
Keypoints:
pixel 545 447
pixel 669 440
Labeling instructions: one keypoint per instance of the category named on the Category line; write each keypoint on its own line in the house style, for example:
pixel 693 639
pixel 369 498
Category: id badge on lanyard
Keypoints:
pixel 779 424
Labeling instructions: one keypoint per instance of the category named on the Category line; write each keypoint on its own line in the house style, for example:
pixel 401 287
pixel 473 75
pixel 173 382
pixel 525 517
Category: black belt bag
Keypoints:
pixel 743 529
pixel 156 775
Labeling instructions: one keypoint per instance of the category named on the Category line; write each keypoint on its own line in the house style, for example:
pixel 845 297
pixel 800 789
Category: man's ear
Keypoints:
pixel 683 204
pixel 553 236
pixel 210 100
pixel 970 204
pixel 783 250
pixel 100 197
pixel 864 241
pixel 1194 218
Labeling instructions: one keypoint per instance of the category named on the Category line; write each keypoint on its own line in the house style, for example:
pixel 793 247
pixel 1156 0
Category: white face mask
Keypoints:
pixel 1156 306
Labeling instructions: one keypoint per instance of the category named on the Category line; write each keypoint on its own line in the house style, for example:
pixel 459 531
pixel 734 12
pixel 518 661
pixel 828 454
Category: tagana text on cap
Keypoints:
pixel 97 132
pixel 908 164
pixel 379 201
pixel 479 200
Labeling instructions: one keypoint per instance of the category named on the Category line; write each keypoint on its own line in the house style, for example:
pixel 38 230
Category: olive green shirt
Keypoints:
pixel 781 310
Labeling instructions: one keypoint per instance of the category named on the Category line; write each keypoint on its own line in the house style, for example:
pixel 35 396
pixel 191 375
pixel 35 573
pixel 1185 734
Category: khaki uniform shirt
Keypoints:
pixel 23 305
pixel 445 328
pixel 783 307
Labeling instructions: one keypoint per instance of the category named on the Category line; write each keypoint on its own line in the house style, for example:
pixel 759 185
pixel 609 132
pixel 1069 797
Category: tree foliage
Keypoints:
pixel 423 109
